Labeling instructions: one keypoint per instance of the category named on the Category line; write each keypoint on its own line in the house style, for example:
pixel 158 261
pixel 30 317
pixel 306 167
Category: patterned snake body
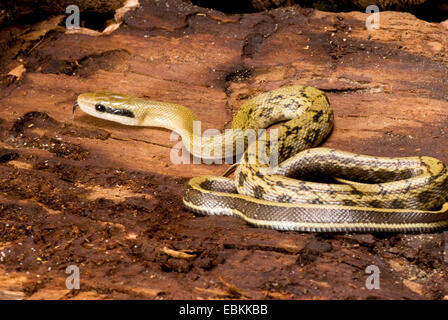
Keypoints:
pixel 361 193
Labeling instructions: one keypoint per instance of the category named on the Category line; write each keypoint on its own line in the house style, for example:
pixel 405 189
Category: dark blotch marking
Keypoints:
pixel 310 138
pixel 408 173
pixel 325 97
pixel 284 198
pixel 383 191
pixel 268 111
pixel 424 196
pixel 287 151
pixel 277 97
pixel 294 130
pixel 397 204
pixel 317 116
pixel 293 106
pixel 241 179
pixel 408 188
pixel 258 192
pixel 375 204
pixel 350 203
pixel 302 93
pixel 355 192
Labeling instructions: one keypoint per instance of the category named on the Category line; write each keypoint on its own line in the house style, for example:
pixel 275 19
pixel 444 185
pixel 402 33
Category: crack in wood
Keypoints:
pixel 144 141
pixel 262 248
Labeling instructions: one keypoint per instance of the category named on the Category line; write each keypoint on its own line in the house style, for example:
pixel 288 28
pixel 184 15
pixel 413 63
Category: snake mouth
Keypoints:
pixel 85 102
pixel 75 105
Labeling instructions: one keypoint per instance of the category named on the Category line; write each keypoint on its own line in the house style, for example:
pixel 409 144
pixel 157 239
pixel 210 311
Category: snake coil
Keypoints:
pixel 366 193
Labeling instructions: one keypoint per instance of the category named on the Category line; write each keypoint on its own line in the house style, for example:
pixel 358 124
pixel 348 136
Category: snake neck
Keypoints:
pixel 306 110
pixel 167 115
pixel 217 146
pixel 183 121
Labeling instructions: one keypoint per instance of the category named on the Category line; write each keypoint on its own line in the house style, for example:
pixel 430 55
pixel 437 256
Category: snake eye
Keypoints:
pixel 100 108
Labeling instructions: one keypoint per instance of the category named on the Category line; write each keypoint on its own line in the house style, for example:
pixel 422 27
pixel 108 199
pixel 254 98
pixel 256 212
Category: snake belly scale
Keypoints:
pixel 365 193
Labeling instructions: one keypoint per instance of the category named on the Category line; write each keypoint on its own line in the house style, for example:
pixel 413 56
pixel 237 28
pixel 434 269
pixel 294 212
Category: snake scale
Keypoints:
pixel 360 193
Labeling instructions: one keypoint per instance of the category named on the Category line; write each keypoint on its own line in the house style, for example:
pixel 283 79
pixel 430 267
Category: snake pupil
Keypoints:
pixel 100 108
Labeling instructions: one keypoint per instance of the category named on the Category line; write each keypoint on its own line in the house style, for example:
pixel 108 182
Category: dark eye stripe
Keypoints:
pixel 127 113
pixel 116 111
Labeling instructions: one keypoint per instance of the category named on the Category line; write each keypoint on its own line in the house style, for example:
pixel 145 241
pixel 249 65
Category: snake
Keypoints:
pixel 282 179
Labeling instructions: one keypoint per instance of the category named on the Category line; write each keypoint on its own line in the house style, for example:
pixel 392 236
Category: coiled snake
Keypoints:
pixel 365 194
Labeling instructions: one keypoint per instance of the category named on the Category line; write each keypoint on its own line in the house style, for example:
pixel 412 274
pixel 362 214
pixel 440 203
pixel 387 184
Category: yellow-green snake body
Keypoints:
pixel 361 193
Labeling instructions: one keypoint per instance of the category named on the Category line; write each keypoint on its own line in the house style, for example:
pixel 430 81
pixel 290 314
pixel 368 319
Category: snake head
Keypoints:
pixel 109 106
